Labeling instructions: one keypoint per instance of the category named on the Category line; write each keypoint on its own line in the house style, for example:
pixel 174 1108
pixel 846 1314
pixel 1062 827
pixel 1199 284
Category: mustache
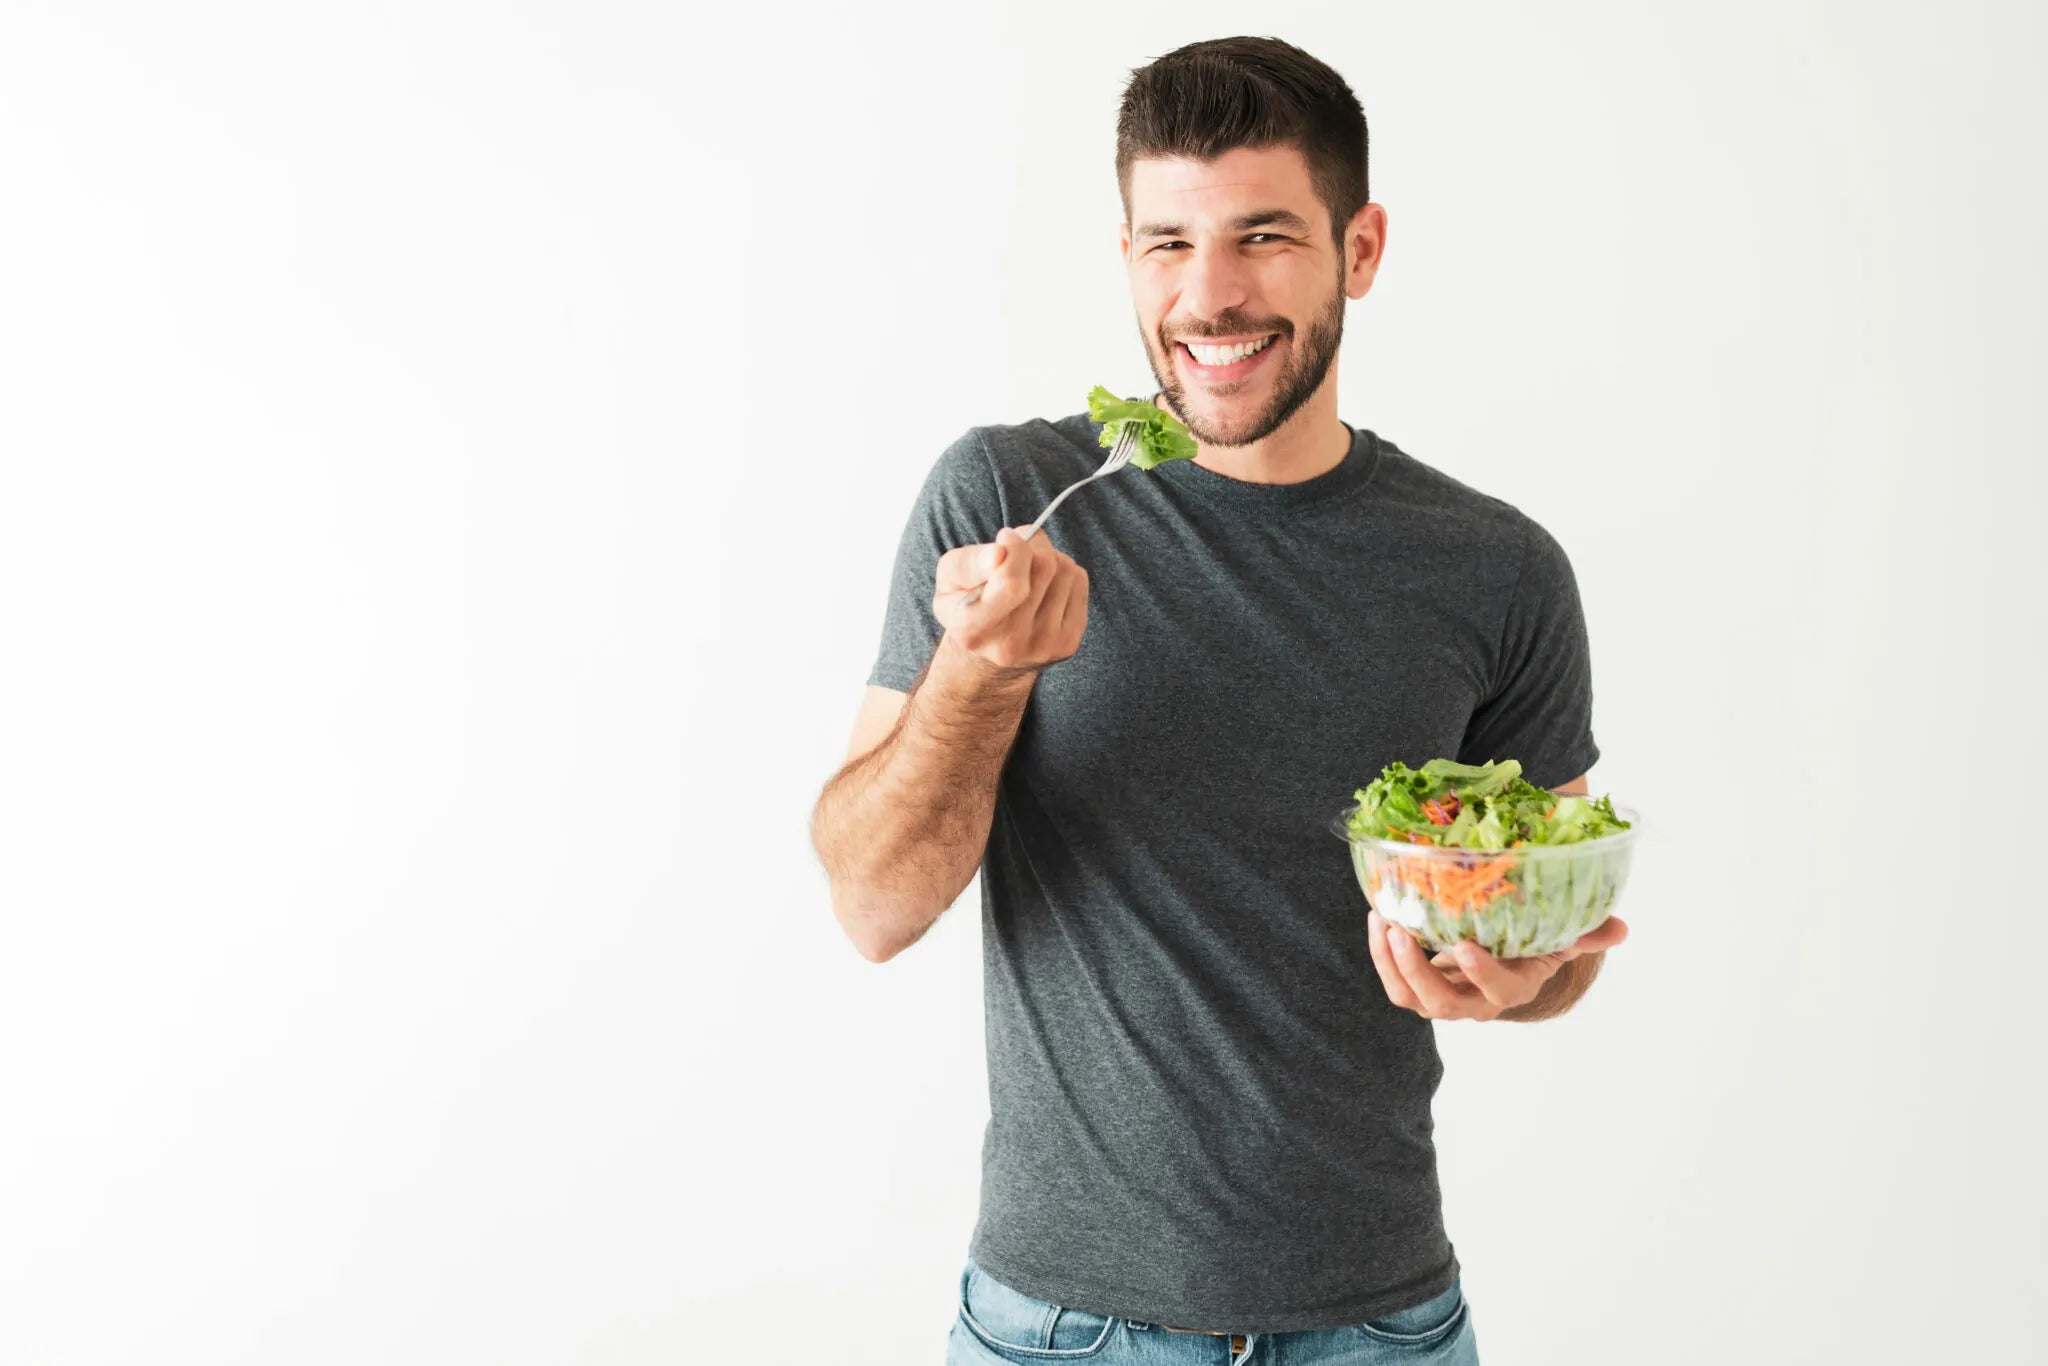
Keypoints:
pixel 1228 325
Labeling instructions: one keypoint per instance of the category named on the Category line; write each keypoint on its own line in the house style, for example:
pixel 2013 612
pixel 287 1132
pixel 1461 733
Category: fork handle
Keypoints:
pixel 1028 531
pixel 1126 441
pixel 1026 534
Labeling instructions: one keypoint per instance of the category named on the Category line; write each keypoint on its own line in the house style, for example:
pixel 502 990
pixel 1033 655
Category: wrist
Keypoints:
pixel 978 673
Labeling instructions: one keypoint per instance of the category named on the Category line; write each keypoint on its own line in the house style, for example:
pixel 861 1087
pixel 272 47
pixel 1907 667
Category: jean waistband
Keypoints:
pixel 1236 1339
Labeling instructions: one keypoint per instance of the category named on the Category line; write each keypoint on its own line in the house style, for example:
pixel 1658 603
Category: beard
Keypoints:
pixel 1308 364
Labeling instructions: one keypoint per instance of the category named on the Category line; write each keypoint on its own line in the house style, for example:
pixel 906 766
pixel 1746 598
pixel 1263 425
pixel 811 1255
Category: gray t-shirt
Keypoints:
pixel 1203 1109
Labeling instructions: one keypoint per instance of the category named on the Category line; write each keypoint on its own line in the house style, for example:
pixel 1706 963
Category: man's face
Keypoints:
pixel 1237 254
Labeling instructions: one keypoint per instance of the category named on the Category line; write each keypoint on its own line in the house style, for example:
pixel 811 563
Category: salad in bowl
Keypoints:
pixel 1456 851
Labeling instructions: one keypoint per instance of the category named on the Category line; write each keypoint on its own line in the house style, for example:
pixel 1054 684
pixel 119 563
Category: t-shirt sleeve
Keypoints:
pixel 958 505
pixel 1540 709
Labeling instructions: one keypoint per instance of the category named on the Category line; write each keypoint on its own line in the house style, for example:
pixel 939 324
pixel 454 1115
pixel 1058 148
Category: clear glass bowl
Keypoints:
pixel 1515 903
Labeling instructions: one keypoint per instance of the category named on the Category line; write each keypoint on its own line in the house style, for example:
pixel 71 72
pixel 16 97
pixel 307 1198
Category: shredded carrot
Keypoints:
pixel 1455 889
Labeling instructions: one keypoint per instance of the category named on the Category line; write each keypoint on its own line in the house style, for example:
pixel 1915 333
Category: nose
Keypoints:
pixel 1214 281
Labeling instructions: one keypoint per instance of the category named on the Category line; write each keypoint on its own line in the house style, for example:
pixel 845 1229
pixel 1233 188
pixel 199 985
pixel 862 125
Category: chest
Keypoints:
pixel 1235 699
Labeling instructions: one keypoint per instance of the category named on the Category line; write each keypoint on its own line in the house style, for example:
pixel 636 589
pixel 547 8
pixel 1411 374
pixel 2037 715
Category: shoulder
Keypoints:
pixel 1060 443
pixel 1022 464
pixel 1416 488
pixel 1425 496
pixel 998 468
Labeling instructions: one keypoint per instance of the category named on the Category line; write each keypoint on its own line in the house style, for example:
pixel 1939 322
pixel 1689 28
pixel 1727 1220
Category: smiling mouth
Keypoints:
pixel 1224 362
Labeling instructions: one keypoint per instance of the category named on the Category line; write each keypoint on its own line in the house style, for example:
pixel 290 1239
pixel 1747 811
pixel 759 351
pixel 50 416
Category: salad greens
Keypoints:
pixel 1476 806
pixel 1487 888
pixel 1161 437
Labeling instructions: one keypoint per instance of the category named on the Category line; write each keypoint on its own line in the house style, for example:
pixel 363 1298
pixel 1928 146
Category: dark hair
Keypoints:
pixel 1216 96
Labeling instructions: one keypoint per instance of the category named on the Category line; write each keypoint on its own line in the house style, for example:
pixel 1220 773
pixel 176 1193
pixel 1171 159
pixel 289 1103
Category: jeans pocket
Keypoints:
pixel 1422 1325
pixel 1023 1328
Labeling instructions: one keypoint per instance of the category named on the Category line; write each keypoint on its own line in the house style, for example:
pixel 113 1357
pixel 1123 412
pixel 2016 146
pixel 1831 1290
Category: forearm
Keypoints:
pixel 901 829
pixel 1561 992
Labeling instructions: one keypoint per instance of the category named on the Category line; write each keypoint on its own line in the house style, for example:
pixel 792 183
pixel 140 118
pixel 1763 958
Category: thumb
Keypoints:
pixel 1599 939
pixel 994 555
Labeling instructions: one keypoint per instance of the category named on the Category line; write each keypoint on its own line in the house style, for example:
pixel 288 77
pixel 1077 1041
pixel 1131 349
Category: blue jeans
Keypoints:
pixel 999 1324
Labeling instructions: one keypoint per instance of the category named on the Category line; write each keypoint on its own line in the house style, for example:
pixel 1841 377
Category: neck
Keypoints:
pixel 1314 441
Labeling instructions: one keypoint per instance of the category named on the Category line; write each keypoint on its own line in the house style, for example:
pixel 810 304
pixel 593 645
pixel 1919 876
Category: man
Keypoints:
pixel 1210 1073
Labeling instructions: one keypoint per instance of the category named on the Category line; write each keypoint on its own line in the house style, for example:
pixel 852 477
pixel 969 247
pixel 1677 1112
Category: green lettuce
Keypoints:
pixel 1476 806
pixel 1530 905
pixel 1161 437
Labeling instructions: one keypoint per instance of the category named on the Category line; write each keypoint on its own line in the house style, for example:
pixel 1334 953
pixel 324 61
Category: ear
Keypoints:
pixel 1365 246
pixel 1123 240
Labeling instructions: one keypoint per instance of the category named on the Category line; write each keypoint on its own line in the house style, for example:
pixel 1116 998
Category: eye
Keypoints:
pixel 1257 238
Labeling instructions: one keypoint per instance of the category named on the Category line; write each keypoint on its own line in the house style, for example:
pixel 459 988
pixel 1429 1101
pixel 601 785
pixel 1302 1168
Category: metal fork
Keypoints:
pixel 1119 456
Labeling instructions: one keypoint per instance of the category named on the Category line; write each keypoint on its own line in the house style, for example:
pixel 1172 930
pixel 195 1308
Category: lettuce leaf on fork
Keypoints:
pixel 1161 437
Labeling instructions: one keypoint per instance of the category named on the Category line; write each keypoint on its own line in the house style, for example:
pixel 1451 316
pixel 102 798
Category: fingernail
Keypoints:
pixel 1467 955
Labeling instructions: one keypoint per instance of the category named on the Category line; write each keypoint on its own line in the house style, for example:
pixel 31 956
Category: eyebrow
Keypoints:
pixel 1278 218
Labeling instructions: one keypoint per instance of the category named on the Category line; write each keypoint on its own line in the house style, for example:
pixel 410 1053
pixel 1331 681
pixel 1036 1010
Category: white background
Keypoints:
pixel 453 458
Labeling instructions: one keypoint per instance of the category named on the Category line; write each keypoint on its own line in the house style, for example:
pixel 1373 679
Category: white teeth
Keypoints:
pixel 1225 355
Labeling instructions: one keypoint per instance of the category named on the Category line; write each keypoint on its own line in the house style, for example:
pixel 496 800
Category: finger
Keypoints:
pixel 1439 998
pixel 1046 559
pixel 1045 571
pixel 1383 958
pixel 967 567
pixel 1504 981
pixel 964 573
pixel 1446 962
pixel 1009 584
pixel 956 577
pixel 1599 939
pixel 1075 624
pixel 1046 632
